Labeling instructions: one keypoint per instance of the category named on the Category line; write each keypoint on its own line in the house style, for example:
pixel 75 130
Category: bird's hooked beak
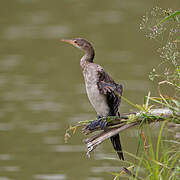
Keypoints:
pixel 69 41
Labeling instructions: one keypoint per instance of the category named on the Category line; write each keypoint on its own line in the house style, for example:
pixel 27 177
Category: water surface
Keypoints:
pixel 41 84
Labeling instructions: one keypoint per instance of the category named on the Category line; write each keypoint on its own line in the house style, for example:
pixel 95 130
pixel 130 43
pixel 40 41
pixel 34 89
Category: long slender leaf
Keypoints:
pixel 159 139
pixel 167 105
pixel 169 17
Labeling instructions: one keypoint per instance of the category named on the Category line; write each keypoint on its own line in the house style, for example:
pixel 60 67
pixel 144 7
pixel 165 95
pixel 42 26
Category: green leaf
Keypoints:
pixel 169 17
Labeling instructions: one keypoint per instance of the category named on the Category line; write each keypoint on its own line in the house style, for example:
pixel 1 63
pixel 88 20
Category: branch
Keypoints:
pixel 96 140
pixel 123 123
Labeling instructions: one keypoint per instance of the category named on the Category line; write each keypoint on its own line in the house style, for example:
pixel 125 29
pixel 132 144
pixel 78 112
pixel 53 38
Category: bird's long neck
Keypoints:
pixel 88 57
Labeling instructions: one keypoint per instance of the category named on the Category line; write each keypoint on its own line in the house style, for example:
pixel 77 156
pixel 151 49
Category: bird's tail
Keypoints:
pixel 115 140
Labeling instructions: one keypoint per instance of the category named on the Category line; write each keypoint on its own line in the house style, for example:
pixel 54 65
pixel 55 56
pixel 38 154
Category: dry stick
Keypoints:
pixel 116 121
pixel 161 113
pixel 97 139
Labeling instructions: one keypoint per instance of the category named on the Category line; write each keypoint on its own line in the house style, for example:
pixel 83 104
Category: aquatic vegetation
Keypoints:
pixel 160 160
pixel 155 161
pixel 163 26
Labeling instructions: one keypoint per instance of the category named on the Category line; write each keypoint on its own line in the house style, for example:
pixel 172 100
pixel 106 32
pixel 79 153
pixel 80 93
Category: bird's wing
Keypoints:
pixel 111 90
pixel 113 93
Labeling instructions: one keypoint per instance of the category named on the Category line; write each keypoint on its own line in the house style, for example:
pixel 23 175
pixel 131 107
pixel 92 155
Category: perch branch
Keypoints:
pixel 96 140
pixel 122 123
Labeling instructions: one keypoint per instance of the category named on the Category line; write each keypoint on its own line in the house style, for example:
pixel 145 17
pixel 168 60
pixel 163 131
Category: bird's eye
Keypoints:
pixel 75 41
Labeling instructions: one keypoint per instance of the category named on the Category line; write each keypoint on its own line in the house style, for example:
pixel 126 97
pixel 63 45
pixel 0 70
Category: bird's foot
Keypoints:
pixel 99 122
pixel 102 122
pixel 93 125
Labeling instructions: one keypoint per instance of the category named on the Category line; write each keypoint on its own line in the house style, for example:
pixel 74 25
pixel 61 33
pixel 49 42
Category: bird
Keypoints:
pixel 103 92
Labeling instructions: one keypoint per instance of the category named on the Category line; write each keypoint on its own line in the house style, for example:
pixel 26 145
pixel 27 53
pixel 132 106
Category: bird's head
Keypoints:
pixel 79 43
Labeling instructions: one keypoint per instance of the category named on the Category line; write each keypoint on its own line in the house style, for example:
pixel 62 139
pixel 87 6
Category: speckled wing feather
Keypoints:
pixel 111 90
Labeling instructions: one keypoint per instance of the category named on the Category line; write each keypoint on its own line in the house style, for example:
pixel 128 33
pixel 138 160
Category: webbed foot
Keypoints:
pixel 99 122
pixel 103 124
pixel 93 125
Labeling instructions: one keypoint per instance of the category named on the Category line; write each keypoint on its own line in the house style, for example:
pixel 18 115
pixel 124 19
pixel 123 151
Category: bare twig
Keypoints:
pixel 96 140
pixel 120 124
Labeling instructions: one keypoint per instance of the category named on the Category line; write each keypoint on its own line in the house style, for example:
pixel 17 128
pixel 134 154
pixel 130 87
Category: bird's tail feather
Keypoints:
pixel 115 140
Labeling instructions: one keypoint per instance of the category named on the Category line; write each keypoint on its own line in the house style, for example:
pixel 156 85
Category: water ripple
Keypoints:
pixel 5 178
pixel 6 127
pixel 15 32
pixel 44 106
pixel 9 62
pixel 5 157
pixel 52 140
pixel 106 169
pixel 68 148
pixel 10 168
pixel 43 127
pixel 95 178
pixel 50 176
pixel 110 17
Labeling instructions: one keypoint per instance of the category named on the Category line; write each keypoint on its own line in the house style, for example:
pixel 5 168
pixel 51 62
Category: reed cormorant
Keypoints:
pixel 103 93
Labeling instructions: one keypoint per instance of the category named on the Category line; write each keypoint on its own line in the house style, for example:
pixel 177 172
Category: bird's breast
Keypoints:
pixel 98 101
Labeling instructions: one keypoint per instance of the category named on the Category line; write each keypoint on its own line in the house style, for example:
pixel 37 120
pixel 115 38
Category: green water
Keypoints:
pixel 42 89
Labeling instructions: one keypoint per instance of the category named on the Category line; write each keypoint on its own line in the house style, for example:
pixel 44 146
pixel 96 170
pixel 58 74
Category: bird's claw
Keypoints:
pixel 93 125
pixel 101 123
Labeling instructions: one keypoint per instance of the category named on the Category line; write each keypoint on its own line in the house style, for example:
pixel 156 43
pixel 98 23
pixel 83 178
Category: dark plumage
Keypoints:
pixel 112 90
pixel 109 88
pixel 103 93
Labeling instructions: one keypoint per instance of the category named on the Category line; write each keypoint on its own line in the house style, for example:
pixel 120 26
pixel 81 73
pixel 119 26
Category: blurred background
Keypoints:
pixel 42 89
